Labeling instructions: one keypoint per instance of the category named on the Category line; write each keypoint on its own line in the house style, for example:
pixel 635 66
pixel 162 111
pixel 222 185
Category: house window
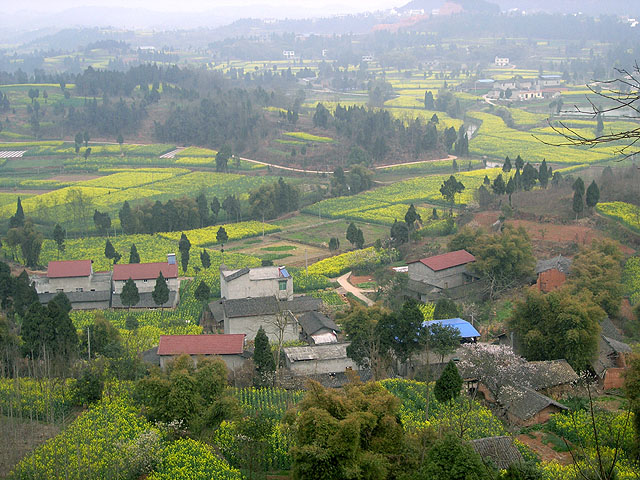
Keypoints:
pixel 78 289
pixel 282 284
pixel 58 290
pixel 145 280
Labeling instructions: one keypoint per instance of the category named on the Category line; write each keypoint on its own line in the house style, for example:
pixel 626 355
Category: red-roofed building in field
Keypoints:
pixel 431 276
pixel 144 275
pixel 85 288
pixel 228 347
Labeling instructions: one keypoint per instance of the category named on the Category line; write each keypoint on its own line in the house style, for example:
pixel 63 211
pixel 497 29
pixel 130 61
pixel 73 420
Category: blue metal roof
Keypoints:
pixel 465 328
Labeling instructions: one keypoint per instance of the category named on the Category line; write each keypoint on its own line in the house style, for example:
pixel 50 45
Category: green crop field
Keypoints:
pixel 494 139
pixel 415 190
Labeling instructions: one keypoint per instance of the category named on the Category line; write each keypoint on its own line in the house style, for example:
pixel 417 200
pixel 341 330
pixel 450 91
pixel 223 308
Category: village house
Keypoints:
pixel 318 359
pixel 229 348
pixel 316 328
pixel 524 406
pixel 611 361
pixel 255 282
pixel 85 289
pixel 501 61
pixel 552 273
pixel 247 315
pixel 447 273
pixel 144 275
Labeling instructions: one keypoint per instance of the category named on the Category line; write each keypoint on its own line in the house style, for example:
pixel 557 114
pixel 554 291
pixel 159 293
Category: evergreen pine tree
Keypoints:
pixel 17 220
pixel 205 258
pixel 133 254
pixel 221 235
pixel 109 251
pixel 130 295
pixel 578 204
pixel 160 292
pixel 263 358
pixel 449 384
pixel 506 166
pixel 593 195
pixel 184 245
pixel 58 236
pixel 543 174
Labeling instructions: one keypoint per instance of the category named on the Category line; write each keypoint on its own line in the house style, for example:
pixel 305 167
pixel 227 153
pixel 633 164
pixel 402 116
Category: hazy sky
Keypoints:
pixel 200 5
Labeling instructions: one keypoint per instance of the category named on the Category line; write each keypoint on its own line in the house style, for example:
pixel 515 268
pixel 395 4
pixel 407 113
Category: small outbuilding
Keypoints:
pixel 552 273
pixel 468 333
pixel 229 348
pixel 317 328
pixel 318 359
pixel 500 452
pixel 432 276
pixel 526 407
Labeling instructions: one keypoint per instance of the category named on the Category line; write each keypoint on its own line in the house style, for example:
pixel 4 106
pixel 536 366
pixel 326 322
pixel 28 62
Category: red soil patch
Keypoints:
pixel 546 453
pixel 355 280
pixel 546 234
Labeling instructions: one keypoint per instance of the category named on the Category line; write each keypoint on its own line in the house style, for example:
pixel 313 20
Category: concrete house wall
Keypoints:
pixel 447 278
pixel 250 285
pixel 313 367
pixel 63 284
pixel 233 362
pixel 146 286
pixel 251 325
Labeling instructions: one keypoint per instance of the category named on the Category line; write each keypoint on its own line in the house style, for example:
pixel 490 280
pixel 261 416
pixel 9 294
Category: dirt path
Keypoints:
pixel 344 283
pixel 546 453
pixel 380 167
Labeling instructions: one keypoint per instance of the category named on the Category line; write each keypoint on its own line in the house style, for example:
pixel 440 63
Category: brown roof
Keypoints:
pixel 144 271
pixel 447 260
pixel 69 268
pixel 231 344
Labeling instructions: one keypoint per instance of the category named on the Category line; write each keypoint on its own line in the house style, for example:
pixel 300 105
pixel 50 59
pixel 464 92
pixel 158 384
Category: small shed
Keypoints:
pixel 228 347
pixel 611 362
pixel 317 328
pixel 552 377
pixel 552 273
pixel 468 333
pixel 318 359
pixel 525 406
pixel 500 452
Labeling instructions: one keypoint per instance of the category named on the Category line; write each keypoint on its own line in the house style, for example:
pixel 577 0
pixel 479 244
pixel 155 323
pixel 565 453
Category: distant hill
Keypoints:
pixel 591 7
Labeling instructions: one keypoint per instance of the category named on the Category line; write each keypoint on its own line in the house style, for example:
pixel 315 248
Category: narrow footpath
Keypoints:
pixel 357 292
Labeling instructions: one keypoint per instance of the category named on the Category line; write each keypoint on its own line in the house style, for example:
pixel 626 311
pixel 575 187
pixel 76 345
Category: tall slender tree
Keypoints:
pixel 59 234
pixel 134 257
pixel 130 295
pixel 160 293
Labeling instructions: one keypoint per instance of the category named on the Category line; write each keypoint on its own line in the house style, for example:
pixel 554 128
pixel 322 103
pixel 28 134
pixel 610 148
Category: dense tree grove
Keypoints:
pixel 558 325
pixel 270 201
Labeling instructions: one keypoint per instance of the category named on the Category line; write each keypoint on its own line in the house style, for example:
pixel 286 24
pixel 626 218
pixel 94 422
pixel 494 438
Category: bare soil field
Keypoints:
pixel 19 437
pixel 550 238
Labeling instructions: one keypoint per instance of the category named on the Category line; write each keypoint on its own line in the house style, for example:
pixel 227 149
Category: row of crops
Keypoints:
pixel 386 204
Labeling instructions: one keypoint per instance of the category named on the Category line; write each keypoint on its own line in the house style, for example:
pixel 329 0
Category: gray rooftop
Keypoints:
pixel 316 352
pixel 500 451
pixel 79 297
pixel 252 307
pixel 312 322
pixel 560 263
pixel 551 373
pixel 229 275
pixel 146 301
pixel 524 403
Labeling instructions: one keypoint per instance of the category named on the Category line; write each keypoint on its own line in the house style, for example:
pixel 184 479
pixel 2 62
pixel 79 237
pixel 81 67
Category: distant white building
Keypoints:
pixel 288 54
pixel 501 61
pixel 367 58
pixel 256 282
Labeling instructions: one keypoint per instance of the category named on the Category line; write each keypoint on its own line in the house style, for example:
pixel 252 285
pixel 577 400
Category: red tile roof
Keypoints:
pixel 69 268
pixel 231 344
pixel 447 260
pixel 144 271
